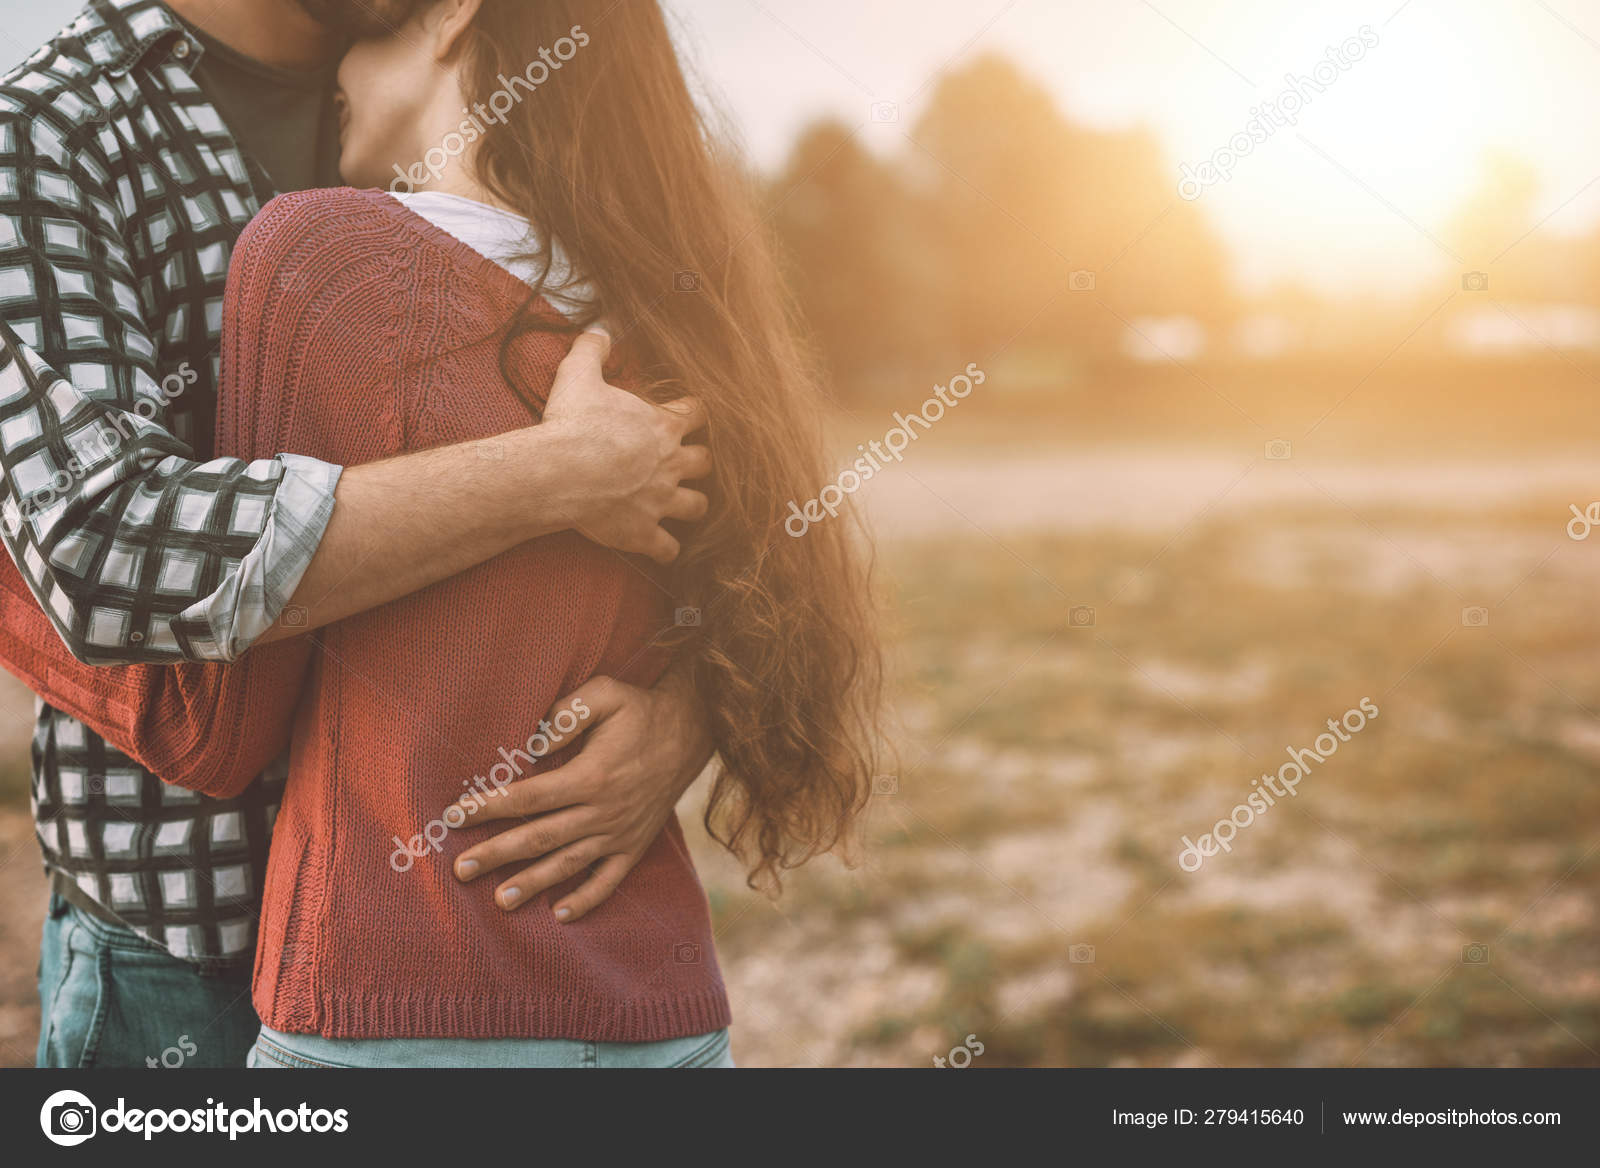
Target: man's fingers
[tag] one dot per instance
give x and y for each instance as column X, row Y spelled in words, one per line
column 588, row 353
column 652, row 543
column 688, row 504
column 525, row 841
column 532, row 796
column 603, row 881
column 662, row 548
column 591, row 703
column 688, row 411
column 547, row 873
column 594, row 701
column 694, row 462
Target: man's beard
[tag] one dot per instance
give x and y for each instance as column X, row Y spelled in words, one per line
column 360, row 18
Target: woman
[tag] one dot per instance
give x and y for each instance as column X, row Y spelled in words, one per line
column 564, row 174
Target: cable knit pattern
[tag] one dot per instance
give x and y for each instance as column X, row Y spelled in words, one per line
column 355, row 330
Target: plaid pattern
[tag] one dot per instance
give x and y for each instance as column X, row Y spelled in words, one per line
column 182, row 869
column 121, row 195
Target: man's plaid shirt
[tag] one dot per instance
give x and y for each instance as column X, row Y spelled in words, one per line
column 121, row 195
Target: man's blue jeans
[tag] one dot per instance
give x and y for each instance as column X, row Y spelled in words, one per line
column 109, row 998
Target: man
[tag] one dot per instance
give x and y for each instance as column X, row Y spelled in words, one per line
column 133, row 149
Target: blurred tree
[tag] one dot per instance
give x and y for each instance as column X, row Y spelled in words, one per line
column 1003, row 225
column 1499, row 209
column 1033, row 198
column 996, row 161
column 855, row 241
column 1491, row 230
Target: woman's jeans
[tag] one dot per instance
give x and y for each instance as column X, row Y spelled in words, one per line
column 311, row 1052
column 109, row 998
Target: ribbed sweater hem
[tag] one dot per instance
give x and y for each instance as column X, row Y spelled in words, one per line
column 402, row 1015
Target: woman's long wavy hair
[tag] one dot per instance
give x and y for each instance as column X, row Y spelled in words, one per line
column 611, row 156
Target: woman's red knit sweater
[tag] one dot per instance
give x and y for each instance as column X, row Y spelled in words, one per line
column 355, row 330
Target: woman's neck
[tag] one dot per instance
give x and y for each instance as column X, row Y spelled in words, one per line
column 458, row 179
column 275, row 32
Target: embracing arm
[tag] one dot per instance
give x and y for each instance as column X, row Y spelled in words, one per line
column 124, row 549
column 603, row 461
column 211, row 728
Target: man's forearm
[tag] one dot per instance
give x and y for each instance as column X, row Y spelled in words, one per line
column 603, row 462
column 413, row 520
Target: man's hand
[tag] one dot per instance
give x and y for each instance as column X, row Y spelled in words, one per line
column 603, row 461
column 642, row 749
column 632, row 457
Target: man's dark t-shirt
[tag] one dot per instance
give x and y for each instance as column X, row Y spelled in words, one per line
column 285, row 119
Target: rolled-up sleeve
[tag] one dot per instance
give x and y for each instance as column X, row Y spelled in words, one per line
column 254, row 595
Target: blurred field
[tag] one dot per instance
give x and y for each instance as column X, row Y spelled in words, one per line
column 1049, row 770
column 22, row 882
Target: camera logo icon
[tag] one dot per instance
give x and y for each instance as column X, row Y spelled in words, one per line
column 68, row 1118
column 1475, row 282
column 686, row 281
column 686, row 953
column 1476, row 617
column 885, row 111
column 885, row 785
column 1081, row 617
column 1081, row 955
column 1279, row 449
column 1475, row 954
column 687, row 618
column 1081, row 281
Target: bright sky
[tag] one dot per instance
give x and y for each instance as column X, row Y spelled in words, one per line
column 1354, row 197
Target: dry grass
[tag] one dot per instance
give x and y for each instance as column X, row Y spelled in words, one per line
column 1051, row 769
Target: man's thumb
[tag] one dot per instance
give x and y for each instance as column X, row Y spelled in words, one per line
column 587, row 355
column 597, row 339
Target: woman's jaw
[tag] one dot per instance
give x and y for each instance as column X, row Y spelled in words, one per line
column 400, row 102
